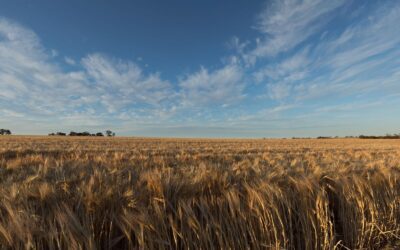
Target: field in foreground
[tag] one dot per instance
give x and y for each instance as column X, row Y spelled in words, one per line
column 100, row 193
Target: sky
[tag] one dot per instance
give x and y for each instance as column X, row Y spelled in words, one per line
column 270, row 68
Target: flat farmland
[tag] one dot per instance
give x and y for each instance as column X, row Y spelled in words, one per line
column 150, row 193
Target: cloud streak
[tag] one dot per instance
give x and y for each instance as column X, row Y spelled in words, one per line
column 358, row 60
column 288, row 23
column 220, row 87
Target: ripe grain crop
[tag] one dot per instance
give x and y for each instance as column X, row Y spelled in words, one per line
column 126, row 193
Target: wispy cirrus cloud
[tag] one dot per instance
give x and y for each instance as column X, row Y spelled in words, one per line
column 359, row 59
column 288, row 23
column 31, row 82
column 121, row 84
column 222, row 86
column 69, row 61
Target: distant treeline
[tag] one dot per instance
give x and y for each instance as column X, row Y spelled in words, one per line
column 395, row 136
column 73, row 133
column 388, row 136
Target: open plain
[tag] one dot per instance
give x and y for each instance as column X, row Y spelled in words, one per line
column 142, row 193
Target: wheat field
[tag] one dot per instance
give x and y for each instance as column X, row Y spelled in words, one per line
column 141, row 193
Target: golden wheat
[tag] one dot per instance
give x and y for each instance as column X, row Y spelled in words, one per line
column 124, row 193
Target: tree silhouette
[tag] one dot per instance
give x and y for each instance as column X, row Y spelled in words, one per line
column 110, row 133
column 5, row 131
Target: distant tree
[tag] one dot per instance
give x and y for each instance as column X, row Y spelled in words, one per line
column 52, row 134
column 5, row 131
column 110, row 133
column 85, row 133
column 61, row 134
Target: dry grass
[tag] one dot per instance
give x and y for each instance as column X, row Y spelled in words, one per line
column 99, row 193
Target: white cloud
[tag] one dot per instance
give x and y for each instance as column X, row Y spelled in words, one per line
column 34, row 86
column 287, row 23
column 69, row 61
column 365, row 61
column 223, row 86
column 361, row 59
column 122, row 83
column 29, row 80
column 237, row 45
column 279, row 78
column 279, row 91
column 286, row 72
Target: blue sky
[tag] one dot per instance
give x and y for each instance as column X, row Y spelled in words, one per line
column 201, row 68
